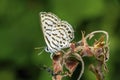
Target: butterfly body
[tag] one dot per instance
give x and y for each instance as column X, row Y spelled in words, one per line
column 57, row 33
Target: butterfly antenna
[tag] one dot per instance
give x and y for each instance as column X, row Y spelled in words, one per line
column 38, row 48
column 40, row 52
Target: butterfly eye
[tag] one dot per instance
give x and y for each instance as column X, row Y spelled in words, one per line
column 46, row 49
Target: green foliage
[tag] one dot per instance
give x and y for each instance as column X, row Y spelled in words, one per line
column 20, row 33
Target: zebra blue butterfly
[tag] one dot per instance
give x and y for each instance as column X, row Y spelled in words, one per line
column 57, row 33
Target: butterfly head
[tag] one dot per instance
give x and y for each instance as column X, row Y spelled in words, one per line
column 47, row 49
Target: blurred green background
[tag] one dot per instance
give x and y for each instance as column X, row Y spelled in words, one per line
column 20, row 33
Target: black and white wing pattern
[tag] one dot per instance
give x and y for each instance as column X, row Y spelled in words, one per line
column 57, row 33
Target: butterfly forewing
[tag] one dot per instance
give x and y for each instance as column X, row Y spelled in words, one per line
column 57, row 33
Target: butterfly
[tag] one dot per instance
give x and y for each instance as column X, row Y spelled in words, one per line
column 57, row 33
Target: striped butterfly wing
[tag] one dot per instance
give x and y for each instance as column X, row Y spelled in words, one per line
column 66, row 34
column 57, row 33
